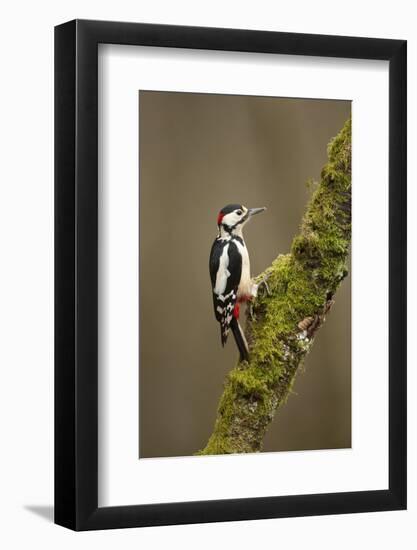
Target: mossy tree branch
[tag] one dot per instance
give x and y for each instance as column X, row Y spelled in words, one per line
column 302, row 285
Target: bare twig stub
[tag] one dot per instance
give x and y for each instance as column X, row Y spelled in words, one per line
column 285, row 322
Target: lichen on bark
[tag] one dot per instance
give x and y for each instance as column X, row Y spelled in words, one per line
column 281, row 332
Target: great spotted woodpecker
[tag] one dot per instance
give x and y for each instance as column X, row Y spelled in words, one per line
column 230, row 272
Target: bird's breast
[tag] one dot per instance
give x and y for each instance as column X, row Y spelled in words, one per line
column 245, row 286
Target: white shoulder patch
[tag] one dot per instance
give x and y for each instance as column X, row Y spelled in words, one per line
column 222, row 273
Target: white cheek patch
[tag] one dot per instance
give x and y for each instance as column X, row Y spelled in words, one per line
column 231, row 219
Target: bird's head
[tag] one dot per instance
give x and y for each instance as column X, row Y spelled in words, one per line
column 233, row 217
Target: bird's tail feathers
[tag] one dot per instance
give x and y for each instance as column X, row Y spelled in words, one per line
column 240, row 339
column 223, row 335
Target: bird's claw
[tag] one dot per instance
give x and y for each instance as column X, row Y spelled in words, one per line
column 251, row 313
column 255, row 288
column 264, row 282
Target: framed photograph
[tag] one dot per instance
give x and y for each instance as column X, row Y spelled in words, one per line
column 230, row 285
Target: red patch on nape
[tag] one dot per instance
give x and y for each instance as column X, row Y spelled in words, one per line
column 219, row 218
column 236, row 311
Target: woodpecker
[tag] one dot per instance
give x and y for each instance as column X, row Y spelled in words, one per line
column 229, row 265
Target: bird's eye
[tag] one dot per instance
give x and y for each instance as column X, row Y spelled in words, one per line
column 239, row 212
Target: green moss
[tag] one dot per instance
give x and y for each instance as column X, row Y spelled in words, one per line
column 302, row 283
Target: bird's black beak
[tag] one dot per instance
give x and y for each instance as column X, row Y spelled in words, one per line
column 253, row 211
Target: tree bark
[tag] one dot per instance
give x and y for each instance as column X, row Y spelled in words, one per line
column 302, row 286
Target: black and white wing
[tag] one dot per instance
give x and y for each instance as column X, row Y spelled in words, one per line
column 225, row 272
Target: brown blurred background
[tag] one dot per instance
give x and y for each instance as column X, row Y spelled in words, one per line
column 199, row 152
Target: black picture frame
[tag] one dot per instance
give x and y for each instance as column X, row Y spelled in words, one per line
column 76, row 272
